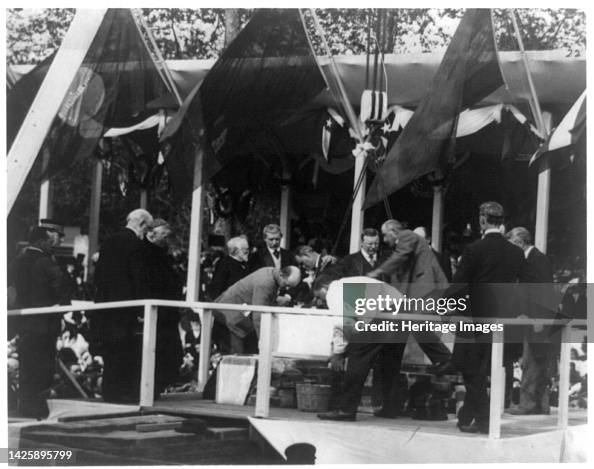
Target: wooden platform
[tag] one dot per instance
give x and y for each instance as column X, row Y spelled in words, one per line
column 512, row 426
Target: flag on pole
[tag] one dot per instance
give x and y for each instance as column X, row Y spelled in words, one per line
column 267, row 73
column 111, row 89
column 468, row 72
column 569, row 131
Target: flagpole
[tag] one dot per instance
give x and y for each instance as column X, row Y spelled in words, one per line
column 357, row 212
column 534, row 103
column 543, row 193
column 165, row 72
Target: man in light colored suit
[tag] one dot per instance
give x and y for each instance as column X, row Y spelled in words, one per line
column 259, row 288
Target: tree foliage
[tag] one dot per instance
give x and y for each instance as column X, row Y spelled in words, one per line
column 182, row 33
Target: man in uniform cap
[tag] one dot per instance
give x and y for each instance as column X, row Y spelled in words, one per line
column 37, row 281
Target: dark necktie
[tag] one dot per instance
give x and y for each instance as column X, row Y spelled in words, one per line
column 276, row 253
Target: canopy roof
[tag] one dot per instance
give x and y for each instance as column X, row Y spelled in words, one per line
column 559, row 80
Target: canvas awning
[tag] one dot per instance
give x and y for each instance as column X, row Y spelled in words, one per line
column 558, row 80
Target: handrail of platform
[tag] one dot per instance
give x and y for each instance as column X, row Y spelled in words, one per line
column 270, row 313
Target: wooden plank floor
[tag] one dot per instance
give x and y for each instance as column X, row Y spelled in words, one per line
column 512, row 426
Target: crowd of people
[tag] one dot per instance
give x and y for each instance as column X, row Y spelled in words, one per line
column 136, row 263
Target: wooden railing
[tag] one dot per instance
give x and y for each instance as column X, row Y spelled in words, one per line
column 271, row 313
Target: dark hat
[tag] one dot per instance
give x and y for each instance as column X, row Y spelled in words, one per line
column 301, row 453
column 52, row 225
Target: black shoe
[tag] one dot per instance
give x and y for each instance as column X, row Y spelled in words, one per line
column 442, row 368
column 338, row 415
column 386, row 414
column 474, row 428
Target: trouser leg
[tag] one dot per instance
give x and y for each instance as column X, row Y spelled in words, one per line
column 432, row 346
column 36, row 372
column 361, row 359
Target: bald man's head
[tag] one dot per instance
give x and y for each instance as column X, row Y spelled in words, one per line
column 140, row 221
column 289, row 276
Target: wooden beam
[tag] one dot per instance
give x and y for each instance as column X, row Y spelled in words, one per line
column 543, row 196
column 195, row 242
column 437, row 218
column 46, row 191
column 497, row 385
column 94, row 214
column 149, row 343
column 264, row 367
column 285, row 209
column 48, row 100
column 357, row 213
column 205, row 346
column 143, row 199
column 564, row 364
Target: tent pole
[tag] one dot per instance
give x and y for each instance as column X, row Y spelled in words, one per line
column 437, row 219
column 48, row 100
column 285, row 209
column 143, row 199
column 94, row 215
column 195, row 241
column 543, row 196
column 46, row 192
column 357, row 213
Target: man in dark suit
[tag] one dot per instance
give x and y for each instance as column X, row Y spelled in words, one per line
column 164, row 283
column 537, row 278
column 229, row 270
column 121, row 275
column 259, row 288
column 414, row 270
column 486, row 265
column 363, row 261
column 312, row 264
column 38, row 281
column 271, row 254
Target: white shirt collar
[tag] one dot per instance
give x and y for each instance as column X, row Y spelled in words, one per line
column 491, row 230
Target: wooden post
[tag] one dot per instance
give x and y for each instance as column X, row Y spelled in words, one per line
column 47, row 102
column 564, row 361
column 94, row 214
column 437, row 219
column 149, row 341
column 205, row 341
column 357, row 213
column 497, row 385
column 543, row 196
column 143, row 199
column 264, row 366
column 195, row 241
column 46, row 191
column 285, row 209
